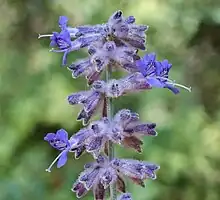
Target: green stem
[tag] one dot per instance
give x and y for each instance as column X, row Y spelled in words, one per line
column 109, row 109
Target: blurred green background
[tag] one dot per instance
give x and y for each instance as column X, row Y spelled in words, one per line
column 33, row 90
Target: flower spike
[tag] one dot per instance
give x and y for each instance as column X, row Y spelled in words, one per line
column 112, row 45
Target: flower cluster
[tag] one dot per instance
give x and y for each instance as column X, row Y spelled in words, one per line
column 93, row 99
column 124, row 129
column 99, row 175
column 110, row 46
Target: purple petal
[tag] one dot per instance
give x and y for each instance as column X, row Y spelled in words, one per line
column 149, row 58
column 88, row 29
column 137, row 43
column 155, row 82
column 63, row 21
column 89, row 177
column 159, row 68
column 85, row 41
column 124, row 115
column 122, row 31
column 99, row 86
column 151, row 166
column 78, row 97
column 95, row 144
column 172, row 88
column 139, row 28
column 62, row 160
column 115, row 18
column 62, row 135
column 128, row 167
column 142, row 129
column 64, row 59
column 92, row 101
column 134, row 117
column 130, row 20
column 49, row 137
column 135, row 168
column 79, row 138
column 141, row 67
column 125, row 196
column 166, row 64
column 79, row 67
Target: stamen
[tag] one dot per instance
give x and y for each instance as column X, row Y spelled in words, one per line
column 51, row 50
column 55, row 160
column 182, row 86
column 46, row 35
column 175, row 84
column 57, row 50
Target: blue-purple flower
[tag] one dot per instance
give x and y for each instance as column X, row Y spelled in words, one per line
column 157, row 73
column 60, row 142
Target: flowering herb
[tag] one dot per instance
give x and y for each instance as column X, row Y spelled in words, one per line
column 112, row 45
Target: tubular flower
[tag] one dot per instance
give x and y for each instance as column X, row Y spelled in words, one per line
column 157, row 72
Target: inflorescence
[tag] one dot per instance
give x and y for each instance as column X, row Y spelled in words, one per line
column 112, row 45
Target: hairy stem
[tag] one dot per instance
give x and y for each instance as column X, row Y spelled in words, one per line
column 108, row 111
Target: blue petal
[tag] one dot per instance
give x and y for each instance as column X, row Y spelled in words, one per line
column 49, row 137
column 141, row 67
column 65, row 35
column 172, row 88
column 125, row 196
column 62, row 135
column 62, row 160
column 166, row 64
column 149, row 58
column 130, row 20
column 159, row 68
column 63, row 22
column 64, row 59
column 154, row 82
